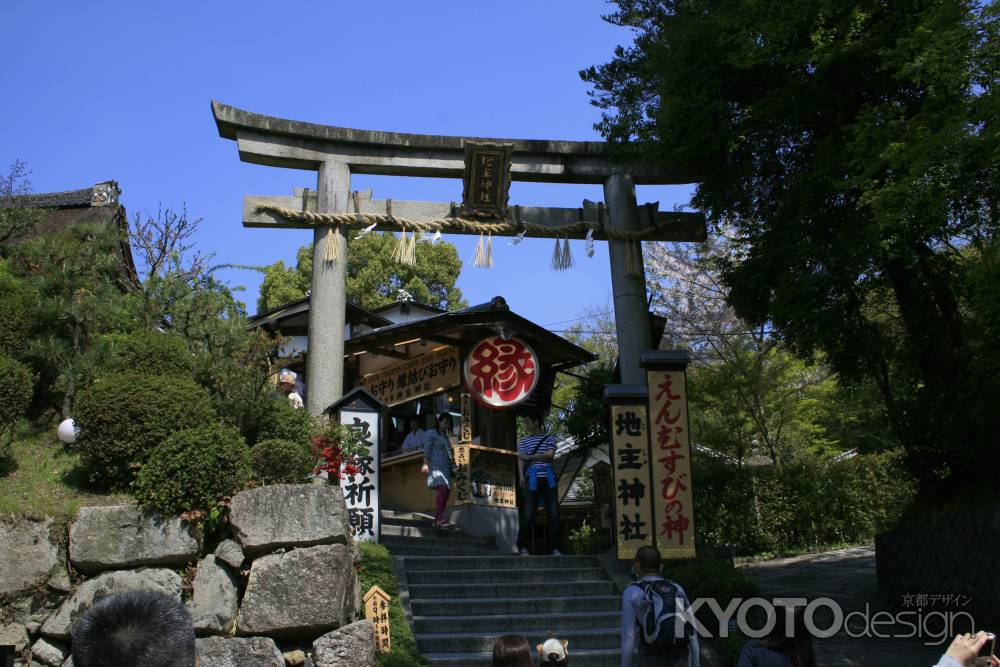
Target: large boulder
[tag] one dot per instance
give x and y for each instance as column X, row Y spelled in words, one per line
column 29, row 552
column 289, row 515
column 300, row 594
column 60, row 625
column 230, row 553
column 125, row 536
column 239, row 652
column 216, row 599
column 352, row 644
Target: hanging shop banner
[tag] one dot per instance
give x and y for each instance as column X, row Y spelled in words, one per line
column 361, row 491
column 461, row 454
column 418, row 377
column 631, row 476
column 670, row 446
column 501, row 373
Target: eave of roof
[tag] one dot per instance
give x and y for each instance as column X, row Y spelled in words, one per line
column 355, row 313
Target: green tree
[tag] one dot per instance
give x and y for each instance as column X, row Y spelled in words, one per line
column 75, row 276
column 373, row 277
column 853, row 148
column 15, row 219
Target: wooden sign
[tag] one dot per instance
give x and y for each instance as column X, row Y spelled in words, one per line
column 492, row 479
column 670, row 447
column 377, row 611
column 486, row 183
column 501, row 373
column 631, row 477
column 418, row 377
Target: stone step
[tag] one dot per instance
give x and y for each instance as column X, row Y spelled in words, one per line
column 439, row 542
column 512, row 589
column 554, row 622
column 425, row 532
column 500, row 562
column 481, row 576
column 478, row 642
column 579, row 658
column 556, row 604
column 414, row 548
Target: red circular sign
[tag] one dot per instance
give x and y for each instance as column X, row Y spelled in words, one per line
column 500, row 372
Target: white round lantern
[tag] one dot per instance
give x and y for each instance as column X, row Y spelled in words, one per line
column 67, row 431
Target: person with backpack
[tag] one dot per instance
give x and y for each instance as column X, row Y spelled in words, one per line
column 654, row 631
column 537, row 478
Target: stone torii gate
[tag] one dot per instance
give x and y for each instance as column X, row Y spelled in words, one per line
column 337, row 152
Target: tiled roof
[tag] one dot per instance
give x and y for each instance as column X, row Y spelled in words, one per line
column 102, row 194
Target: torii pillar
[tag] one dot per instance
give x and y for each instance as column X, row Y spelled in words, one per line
column 336, row 152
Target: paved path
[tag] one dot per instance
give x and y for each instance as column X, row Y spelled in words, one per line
column 848, row 577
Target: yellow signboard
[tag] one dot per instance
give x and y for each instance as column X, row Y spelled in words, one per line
column 670, row 447
column 631, row 477
column 491, row 479
column 418, row 377
column 377, row 611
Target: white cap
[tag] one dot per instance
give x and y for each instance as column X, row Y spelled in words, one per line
column 553, row 651
column 287, row 376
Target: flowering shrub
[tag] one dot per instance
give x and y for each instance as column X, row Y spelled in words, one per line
column 337, row 447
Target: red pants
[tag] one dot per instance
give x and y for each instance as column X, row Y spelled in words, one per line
column 442, row 500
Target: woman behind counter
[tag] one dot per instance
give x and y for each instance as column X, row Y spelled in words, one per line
column 438, row 464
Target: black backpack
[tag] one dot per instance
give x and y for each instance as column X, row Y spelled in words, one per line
column 659, row 615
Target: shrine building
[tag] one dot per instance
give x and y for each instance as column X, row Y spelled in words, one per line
column 407, row 360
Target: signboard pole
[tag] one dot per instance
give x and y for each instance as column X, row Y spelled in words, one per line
column 632, row 482
column 670, row 448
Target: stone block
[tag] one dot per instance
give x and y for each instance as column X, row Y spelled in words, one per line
column 230, row 553
column 300, row 594
column 29, row 553
column 125, row 536
column 352, row 644
column 215, row 600
column 50, row 653
column 238, row 652
column 289, row 515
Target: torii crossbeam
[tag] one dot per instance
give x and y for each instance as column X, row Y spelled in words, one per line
column 337, row 152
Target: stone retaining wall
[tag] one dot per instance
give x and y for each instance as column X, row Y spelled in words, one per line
column 283, row 590
column 955, row 555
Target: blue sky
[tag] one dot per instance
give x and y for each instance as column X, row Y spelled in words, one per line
column 121, row 90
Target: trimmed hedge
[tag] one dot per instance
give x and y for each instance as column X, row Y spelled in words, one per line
column 281, row 461
column 193, row 470
column 122, row 419
column 770, row 509
column 150, row 353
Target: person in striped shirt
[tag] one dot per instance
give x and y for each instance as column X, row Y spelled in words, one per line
column 537, row 478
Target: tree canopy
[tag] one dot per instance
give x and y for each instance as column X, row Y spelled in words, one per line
column 373, row 277
column 853, row 149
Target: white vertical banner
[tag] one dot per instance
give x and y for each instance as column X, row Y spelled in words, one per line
column 361, row 491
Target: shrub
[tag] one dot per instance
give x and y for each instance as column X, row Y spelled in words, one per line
column 193, row 470
column 809, row 504
column 281, row 461
column 374, row 569
column 121, row 420
column 584, row 540
column 16, row 301
column 280, row 421
column 15, row 395
column 710, row 578
column 150, row 353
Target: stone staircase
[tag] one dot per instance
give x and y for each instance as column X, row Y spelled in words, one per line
column 463, row 595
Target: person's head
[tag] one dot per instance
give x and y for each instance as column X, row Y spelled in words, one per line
column 414, row 423
column 554, row 652
column 532, row 419
column 286, row 382
column 511, row 651
column 797, row 647
column 135, row 628
column 445, row 422
column 647, row 561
